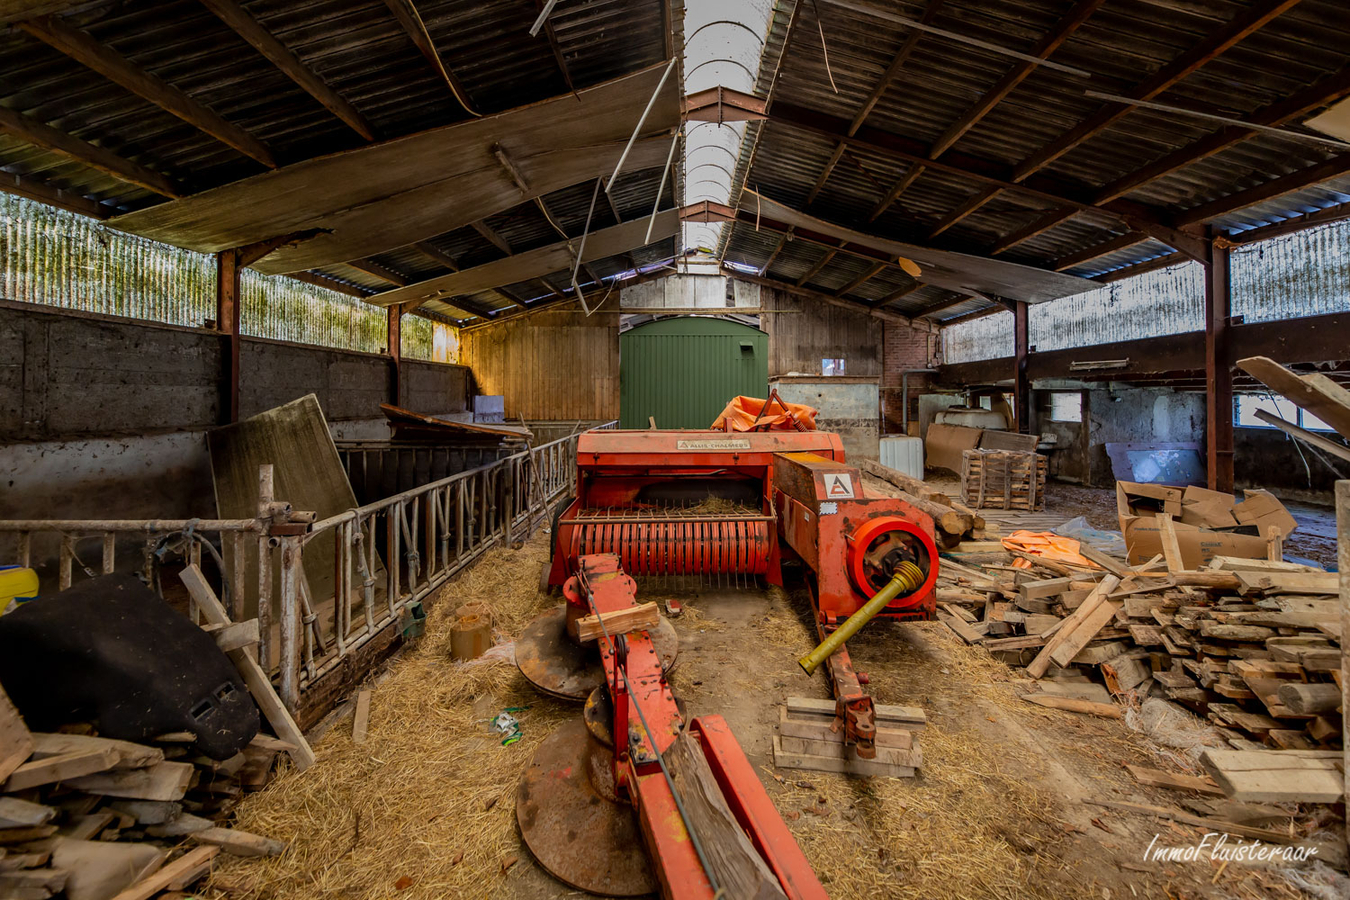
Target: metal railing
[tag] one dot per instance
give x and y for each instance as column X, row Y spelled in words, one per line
column 387, row 555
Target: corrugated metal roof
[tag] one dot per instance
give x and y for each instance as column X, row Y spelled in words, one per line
column 1121, row 44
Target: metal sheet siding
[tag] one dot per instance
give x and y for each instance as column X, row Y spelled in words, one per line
column 683, row 371
column 1302, row 274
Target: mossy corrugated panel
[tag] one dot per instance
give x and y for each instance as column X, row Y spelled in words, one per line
column 683, row 371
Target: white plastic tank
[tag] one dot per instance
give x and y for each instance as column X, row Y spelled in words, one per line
column 971, row 418
column 904, row 454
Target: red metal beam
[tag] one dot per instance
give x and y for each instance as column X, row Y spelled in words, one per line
column 228, row 316
column 395, row 349
column 1021, row 383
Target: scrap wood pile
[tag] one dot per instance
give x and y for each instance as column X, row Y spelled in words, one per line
column 952, row 519
column 1252, row 645
column 99, row 819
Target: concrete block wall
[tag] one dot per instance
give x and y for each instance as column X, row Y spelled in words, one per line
column 104, row 416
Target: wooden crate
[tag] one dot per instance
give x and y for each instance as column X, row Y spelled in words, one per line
column 1003, row 479
column 804, row 739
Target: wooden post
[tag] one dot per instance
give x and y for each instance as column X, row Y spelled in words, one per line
column 1021, row 384
column 1343, row 559
column 227, row 323
column 1218, row 369
column 395, row 354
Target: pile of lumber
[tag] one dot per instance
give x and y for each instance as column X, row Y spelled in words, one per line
column 953, row 520
column 92, row 818
column 1251, row 645
column 1003, row 479
column 806, row 738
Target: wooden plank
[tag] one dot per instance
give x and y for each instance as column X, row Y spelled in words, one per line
column 18, row 813
column 910, row 717
column 1248, row 831
column 162, row 781
column 16, row 743
column 60, row 768
column 129, row 755
column 739, row 869
column 104, row 868
column 259, row 685
column 238, row 843
column 1159, row 778
column 173, row 873
column 1073, row 704
column 1323, row 583
column 237, row 635
column 1274, row 776
column 960, row 629
column 863, row 767
column 361, row 720
column 1316, row 393
column 1083, row 633
column 643, row 617
column 837, row 749
column 821, row 730
column 382, row 196
column 1171, row 549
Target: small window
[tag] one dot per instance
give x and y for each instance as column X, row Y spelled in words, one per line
column 1245, row 407
column 832, row 367
column 1066, row 406
column 986, row 402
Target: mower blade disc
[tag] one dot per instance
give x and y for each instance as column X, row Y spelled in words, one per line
column 560, row 667
column 576, row 834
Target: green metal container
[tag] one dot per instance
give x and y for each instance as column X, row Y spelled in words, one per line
column 683, row 371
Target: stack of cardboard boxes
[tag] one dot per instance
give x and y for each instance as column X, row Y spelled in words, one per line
column 1207, row 523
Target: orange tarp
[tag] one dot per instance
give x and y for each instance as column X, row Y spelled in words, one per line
column 741, row 414
column 1046, row 545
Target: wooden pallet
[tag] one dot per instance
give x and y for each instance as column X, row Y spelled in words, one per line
column 1003, row 479
column 804, row 740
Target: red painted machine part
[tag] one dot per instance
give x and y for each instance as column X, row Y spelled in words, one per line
column 870, row 530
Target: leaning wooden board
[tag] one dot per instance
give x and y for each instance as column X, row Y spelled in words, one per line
column 1316, row 393
column 16, row 744
column 307, row 473
column 1274, row 776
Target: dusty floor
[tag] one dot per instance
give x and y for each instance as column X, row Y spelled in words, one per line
column 425, row 808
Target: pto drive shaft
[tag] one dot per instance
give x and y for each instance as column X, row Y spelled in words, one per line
column 907, row 577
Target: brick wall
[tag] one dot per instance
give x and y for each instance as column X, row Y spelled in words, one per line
column 905, row 347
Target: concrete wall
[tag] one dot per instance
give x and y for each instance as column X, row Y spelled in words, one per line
column 103, row 416
column 1268, row 458
column 848, row 406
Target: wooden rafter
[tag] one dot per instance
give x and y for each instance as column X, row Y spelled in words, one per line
column 384, row 273
column 1097, row 251
column 990, row 99
column 40, row 134
column 815, row 270
column 878, row 91
column 41, row 191
column 942, row 305
column 1287, row 184
column 860, row 280
column 492, row 236
column 332, row 284
column 556, row 47
column 782, row 242
column 1328, row 90
column 898, row 293
column 411, row 21
column 262, row 40
column 1244, row 24
column 84, row 49
column 432, row 252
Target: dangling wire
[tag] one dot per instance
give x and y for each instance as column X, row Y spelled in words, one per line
column 823, row 49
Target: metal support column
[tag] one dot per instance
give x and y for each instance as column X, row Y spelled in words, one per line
column 1218, row 368
column 1021, row 384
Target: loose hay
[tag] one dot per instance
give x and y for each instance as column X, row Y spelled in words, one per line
column 425, row 808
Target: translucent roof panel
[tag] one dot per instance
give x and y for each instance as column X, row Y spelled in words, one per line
column 723, row 44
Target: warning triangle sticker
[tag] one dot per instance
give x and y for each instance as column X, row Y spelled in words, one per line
column 839, row 486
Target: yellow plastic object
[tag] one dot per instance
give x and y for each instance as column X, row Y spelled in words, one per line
column 17, row 583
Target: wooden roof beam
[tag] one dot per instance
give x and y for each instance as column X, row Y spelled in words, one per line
column 38, row 133
column 384, row 273
column 897, row 294
column 557, row 49
column 825, row 173
column 81, row 47
column 492, row 236
column 1097, row 251
column 815, row 270
column 782, row 242
column 943, row 305
column 248, row 28
column 432, row 252
column 1037, row 226
column 1287, row 184
column 41, row 191
column 411, row 21
column 979, row 199
column 856, row 306
column 318, row 279
column 861, row 279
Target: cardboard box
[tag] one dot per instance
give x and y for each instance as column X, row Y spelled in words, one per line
column 1261, row 509
column 1198, row 545
column 1207, row 523
column 1134, row 499
column 1207, row 509
column 946, row 445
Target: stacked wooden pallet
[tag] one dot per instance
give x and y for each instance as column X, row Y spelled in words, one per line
column 92, row 818
column 1003, row 479
column 1252, row 645
column 805, row 739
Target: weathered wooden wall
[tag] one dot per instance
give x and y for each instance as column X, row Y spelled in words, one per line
column 798, row 341
column 549, row 365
